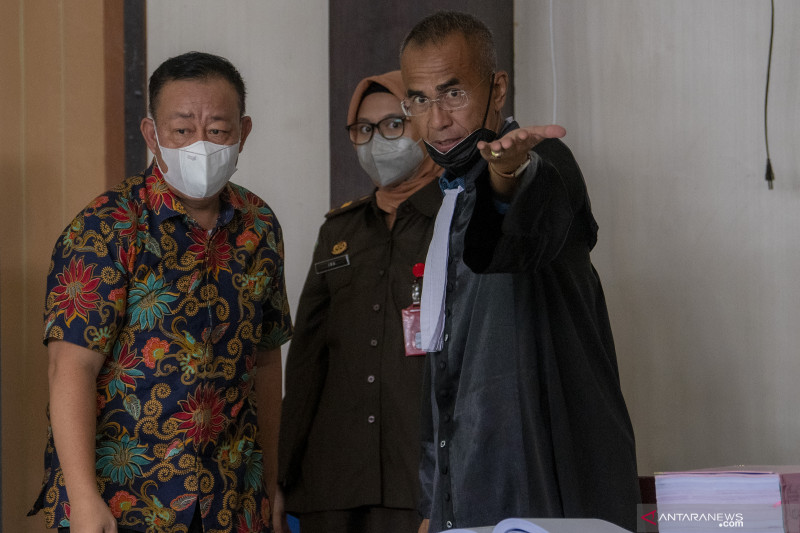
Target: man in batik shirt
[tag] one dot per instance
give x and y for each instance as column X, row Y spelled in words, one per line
column 164, row 297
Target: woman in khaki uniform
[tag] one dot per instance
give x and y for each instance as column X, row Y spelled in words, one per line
column 349, row 440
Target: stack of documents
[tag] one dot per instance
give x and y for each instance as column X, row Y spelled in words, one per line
column 743, row 498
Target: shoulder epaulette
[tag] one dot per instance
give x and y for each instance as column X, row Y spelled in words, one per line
column 347, row 206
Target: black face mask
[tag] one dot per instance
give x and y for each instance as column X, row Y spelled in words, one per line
column 461, row 157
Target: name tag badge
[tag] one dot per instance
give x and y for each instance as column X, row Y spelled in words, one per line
column 332, row 264
column 412, row 333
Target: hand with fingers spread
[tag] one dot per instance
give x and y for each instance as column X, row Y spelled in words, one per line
column 507, row 154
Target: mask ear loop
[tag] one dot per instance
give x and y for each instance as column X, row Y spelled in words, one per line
column 155, row 130
column 488, row 102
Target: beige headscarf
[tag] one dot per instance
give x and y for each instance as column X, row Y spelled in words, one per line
column 389, row 198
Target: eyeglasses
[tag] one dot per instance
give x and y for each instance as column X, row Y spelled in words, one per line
column 390, row 128
column 449, row 100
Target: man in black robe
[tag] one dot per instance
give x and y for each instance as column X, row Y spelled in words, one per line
column 522, row 410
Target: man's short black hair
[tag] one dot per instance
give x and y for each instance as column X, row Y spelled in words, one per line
column 435, row 28
column 194, row 66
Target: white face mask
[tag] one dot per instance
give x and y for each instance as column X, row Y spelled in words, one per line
column 388, row 162
column 201, row 169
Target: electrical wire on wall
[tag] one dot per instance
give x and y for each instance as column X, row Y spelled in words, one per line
column 553, row 64
column 769, row 176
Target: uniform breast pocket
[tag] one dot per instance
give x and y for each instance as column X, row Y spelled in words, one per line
column 339, row 279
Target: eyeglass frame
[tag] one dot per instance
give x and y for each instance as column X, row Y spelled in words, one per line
column 406, row 106
column 376, row 127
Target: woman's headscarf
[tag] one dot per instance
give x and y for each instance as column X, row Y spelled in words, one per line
column 388, row 198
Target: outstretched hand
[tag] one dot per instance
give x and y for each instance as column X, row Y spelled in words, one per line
column 507, row 153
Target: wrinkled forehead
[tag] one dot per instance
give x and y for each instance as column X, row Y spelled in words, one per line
column 211, row 94
column 430, row 68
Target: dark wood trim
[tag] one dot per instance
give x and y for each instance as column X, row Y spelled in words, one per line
column 1, row 437
column 113, row 58
column 135, row 94
column 647, row 488
column 125, row 64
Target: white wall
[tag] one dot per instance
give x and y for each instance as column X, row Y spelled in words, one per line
column 281, row 49
column 663, row 105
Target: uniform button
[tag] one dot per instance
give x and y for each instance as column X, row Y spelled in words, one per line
column 381, row 272
column 447, row 417
column 373, row 342
column 371, row 419
column 442, row 365
column 446, row 337
column 447, row 496
column 447, row 312
column 444, row 470
column 370, row 379
column 449, row 524
column 442, row 444
column 376, row 307
column 450, row 287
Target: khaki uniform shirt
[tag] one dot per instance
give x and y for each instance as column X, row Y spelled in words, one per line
column 350, row 424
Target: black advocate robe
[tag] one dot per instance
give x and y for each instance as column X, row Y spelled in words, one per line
column 524, row 415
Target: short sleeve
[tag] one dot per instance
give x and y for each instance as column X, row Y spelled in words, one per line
column 277, row 321
column 87, row 284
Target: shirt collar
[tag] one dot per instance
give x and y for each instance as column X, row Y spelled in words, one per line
column 165, row 204
column 446, row 184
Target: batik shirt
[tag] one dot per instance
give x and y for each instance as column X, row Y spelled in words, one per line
column 179, row 312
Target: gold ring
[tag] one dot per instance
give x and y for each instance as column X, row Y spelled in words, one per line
column 496, row 155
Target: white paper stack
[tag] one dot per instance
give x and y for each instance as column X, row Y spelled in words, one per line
column 745, row 499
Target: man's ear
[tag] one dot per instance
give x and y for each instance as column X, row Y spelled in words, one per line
column 148, row 129
column 500, row 90
column 247, row 127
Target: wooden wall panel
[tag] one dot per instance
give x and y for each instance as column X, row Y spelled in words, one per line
column 61, row 87
column 83, row 90
column 39, row 192
column 114, row 91
column 10, row 214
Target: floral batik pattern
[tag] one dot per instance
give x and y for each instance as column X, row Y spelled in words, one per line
column 179, row 313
